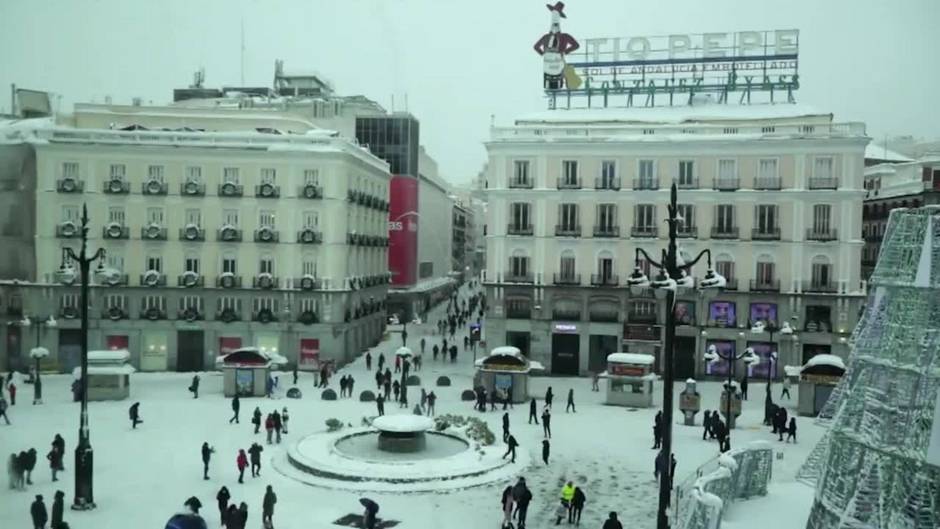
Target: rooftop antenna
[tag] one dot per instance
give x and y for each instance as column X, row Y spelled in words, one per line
column 243, row 52
column 393, row 103
column 406, row 102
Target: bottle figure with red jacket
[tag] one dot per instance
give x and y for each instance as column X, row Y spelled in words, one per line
column 553, row 46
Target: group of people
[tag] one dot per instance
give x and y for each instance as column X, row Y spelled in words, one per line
column 715, row 428
column 236, row 517
column 20, row 472
column 40, row 516
column 275, row 423
column 346, row 383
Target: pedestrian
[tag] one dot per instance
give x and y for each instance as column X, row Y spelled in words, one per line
column 481, row 399
column 507, row 503
column 29, row 465
column 466, row 343
column 256, row 419
column 567, row 494
column 546, row 449
column 242, row 462
column 658, row 430
column 350, row 381
column 207, row 452
column 405, row 368
column 278, row 425
column 193, row 388
column 781, row 422
column 267, row 507
column 242, row 518
column 58, row 509
column 222, row 500
column 381, row 361
column 134, row 413
column 255, row 451
column 12, row 389
column 511, row 443
column 12, row 472
column 522, row 495
column 786, row 388
column 577, row 505
column 368, row 361
column 422, row 345
column 38, row 512
column 324, row 376
column 404, row 397
column 236, row 406
column 19, row 469
column 505, row 427
column 388, row 375
column 404, row 338
column 561, row 511
column 269, row 427
column 387, row 389
column 453, row 354
column 493, row 399
column 595, row 381
column 55, row 461
column 342, row 386
column 284, row 419
column 368, row 517
column 547, row 422
column 612, row 522
column 380, row 404
column 548, row 397
column 706, row 424
column 432, row 398
column 791, row 430
column 570, row 405
column 396, row 388
column 269, row 387
column 295, row 373
column 533, row 416
column 744, row 387
column 434, row 351
column 3, row 409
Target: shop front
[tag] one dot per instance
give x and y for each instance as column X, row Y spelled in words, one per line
column 566, row 349
column 153, row 355
column 630, row 380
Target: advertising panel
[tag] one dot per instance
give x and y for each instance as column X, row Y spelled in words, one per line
column 765, row 312
column 116, row 341
column 227, row 344
column 762, row 350
column 403, row 230
column 721, row 366
column 685, row 313
column 309, row 353
column 722, row 314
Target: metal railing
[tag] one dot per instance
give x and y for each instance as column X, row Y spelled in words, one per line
column 568, row 183
column 725, row 232
column 813, row 234
column 820, row 287
column 765, row 234
column 562, row 230
column 726, row 184
column 520, row 183
column 605, row 280
column 566, row 279
column 641, row 184
column 829, row 182
column 644, row 231
column 512, row 277
column 768, row 183
column 684, row 231
column 541, row 132
column 688, row 183
column 606, row 231
column 760, row 285
column 519, row 229
column 612, row 184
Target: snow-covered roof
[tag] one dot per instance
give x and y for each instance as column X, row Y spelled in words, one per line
column 825, row 360
column 125, row 369
column 253, row 356
column 113, row 356
column 38, row 352
column 673, row 115
column 873, row 151
column 403, row 423
column 631, row 358
column 403, row 351
column 507, row 350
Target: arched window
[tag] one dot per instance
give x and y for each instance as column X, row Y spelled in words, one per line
column 605, row 275
column 567, row 266
column 821, row 275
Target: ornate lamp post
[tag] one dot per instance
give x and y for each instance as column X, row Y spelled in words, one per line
column 714, row 355
column 84, row 456
column 673, row 275
column 38, row 353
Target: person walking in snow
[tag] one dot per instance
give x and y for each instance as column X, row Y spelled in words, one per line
column 236, row 406
column 494, row 397
column 134, row 413
column 58, row 510
column 434, row 351
column 791, row 430
column 278, row 426
column 706, row 424
column 658, row 430
column 505, row 427
column 522, row 496
column 267, row 507
column 507, row 502
column 405, row 368
column 422, row 345
column 595, row 381
column 368, row 361
column 548, row 397
column 567, row 494
column 511, row 444
column 29, row 464
column 3, row 409
column 404, row 338
column 403, row 399
column 577, row 505
column 546, row 449
column 432, row 398
column 350, row 382
column 744, row 387
column 194, row 387
column 255, row 452
column 241, row 462
column 38, row 513
column 396, row 389
column 222, row 501
column 207, row 452
column 12, row 472
column 381, row 363
column 547, row 422
column 533, row 415
column 284, row 419
column 781, row 422
column 11, row 387
column 380, row 404
column 342, row 386
column 269, row 427
column 786, row 388
column 55, row 461
column 256, row 419
column 612, row 522
column 570, row 405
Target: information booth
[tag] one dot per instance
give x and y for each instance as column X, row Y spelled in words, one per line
column 109, row 374
column 506, row 371
column 818, row 377
column 630, row 379
column 245, row 371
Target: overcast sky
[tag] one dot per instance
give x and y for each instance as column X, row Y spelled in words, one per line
column 458, row 62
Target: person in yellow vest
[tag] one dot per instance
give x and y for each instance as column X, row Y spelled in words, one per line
column 567, row 494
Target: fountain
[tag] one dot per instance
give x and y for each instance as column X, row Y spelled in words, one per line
column 402, row 433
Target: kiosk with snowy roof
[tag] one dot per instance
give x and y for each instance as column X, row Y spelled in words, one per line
column 245, row 371
column 630, row 379
column 109, row 374
column 818, row 377
column 506, row 371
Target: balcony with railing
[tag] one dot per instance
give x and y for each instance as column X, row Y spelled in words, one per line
column 765, row 285
column 228, row 281
column 116, row 231
column 153, row 279
column 116, row 186
column 153, row 232
column 725, row 232
column 192, row 233
column 612, row 184
column 645, row 184
column 190, row 280
column 605, row 280
column 70, row 185
column 267, row 235
column 726, row 184
column 765, row 234
column 606, row 231
column 66, row 230
column 817, row 182
column 644, row 232
column 821, row 287
column 821, row 234
column 567, row 230
column 521, row 183
column 768, row 183
column 264, row 281
column 686, row 232
column 194, row 189
column 231, row 189
column 154, row 187
column 519, row 229
column 229, row 234
column 686, row 183
column 731, row 283
column 518, row 277
column 566, row 279
column 568, row 183
column 309, row 236
column 267, row 191
column 640, row 332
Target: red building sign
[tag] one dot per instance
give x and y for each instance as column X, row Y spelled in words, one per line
column 403, row 230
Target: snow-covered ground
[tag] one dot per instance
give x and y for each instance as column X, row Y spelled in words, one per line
column 142, row 476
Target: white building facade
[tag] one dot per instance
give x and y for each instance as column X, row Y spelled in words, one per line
column 775, row 193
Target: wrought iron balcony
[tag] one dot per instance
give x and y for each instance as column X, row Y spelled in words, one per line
column 765, row 234
column 726, row 184
column 231, row 189
column 152, row 279
column 813, row 234
column 687, row 183
column 521, row 183
column 229, row 234
column 267, row 191
column 513, row 277
column 686, row 232
column 768, row 183
column 70, row 185
column 115, row 231
column 66, row 230
column 724, row 232
column 612, row 184
column 569, row 183
column 760, row 285
column 193, row 189
column 731, row 283
column 116, row 186
column 190, row 280
column 606, row 231
column 648, row 232
column 645, row 183
column 310, row 191
column 309, row 236
column 265, row 281
column 228, row 281
column 567, row 279
column 153, row 232
column 605, row 280
column 192, row 233
column 823, row 183
column 519, row 229
column 562, row 230
column 153, row 187
column 828, row 287
column 308, row 283
column 267, row 235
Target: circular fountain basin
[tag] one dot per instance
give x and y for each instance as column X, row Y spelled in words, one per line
column 402, row 433
column 364, row 446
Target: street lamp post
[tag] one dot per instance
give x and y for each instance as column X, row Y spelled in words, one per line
column 714, row 355
column 38, row 353
column 84, row 456
column 674, row 273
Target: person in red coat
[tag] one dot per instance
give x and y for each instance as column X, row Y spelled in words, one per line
column 242, row 463
column 553, row 46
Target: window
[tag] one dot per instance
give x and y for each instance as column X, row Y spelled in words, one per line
column 155, row 173
column 155, row 216
column 115, row 260
column 268, row 176
column 822, row 167
column 192, row 264
column 115, row 300
column 821, row 213
column 727, row 169
column 518, row 266
column 608, row 174
column 70, row 170
column 822, row 274
column 228, row 265
column 725, row 268
column 266, row 219
column 765, row 273
column 266, row 265
column 520, row 215
column 155, row 263
column 570, row 172
column 686, row 173
column 311, row 177
column 70, row 214
column 568, row 217
column 69, row 301
column 642, row 307
column 230, row 303
column 309, row 267
column 767, row 170
column 154, row 303
column 646, row 171
column 116, row 214
column 230, row 217
column 566, row 267
column 606, row 216
column 766, row 219
column 605, row 268
column 520, row 172
column 645, row 216
column 310, row 219
column 191, row 303
column 687, row 212
column 230, row 175
column 269, row 304
column 724, row 218
column 118, row 171
column 194, row 217
column 194, row 174
column 309, row 305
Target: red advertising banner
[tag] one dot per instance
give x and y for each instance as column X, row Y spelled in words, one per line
column 116, row 341
column 229, row 344
column 403, row 230
column 310, row 353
